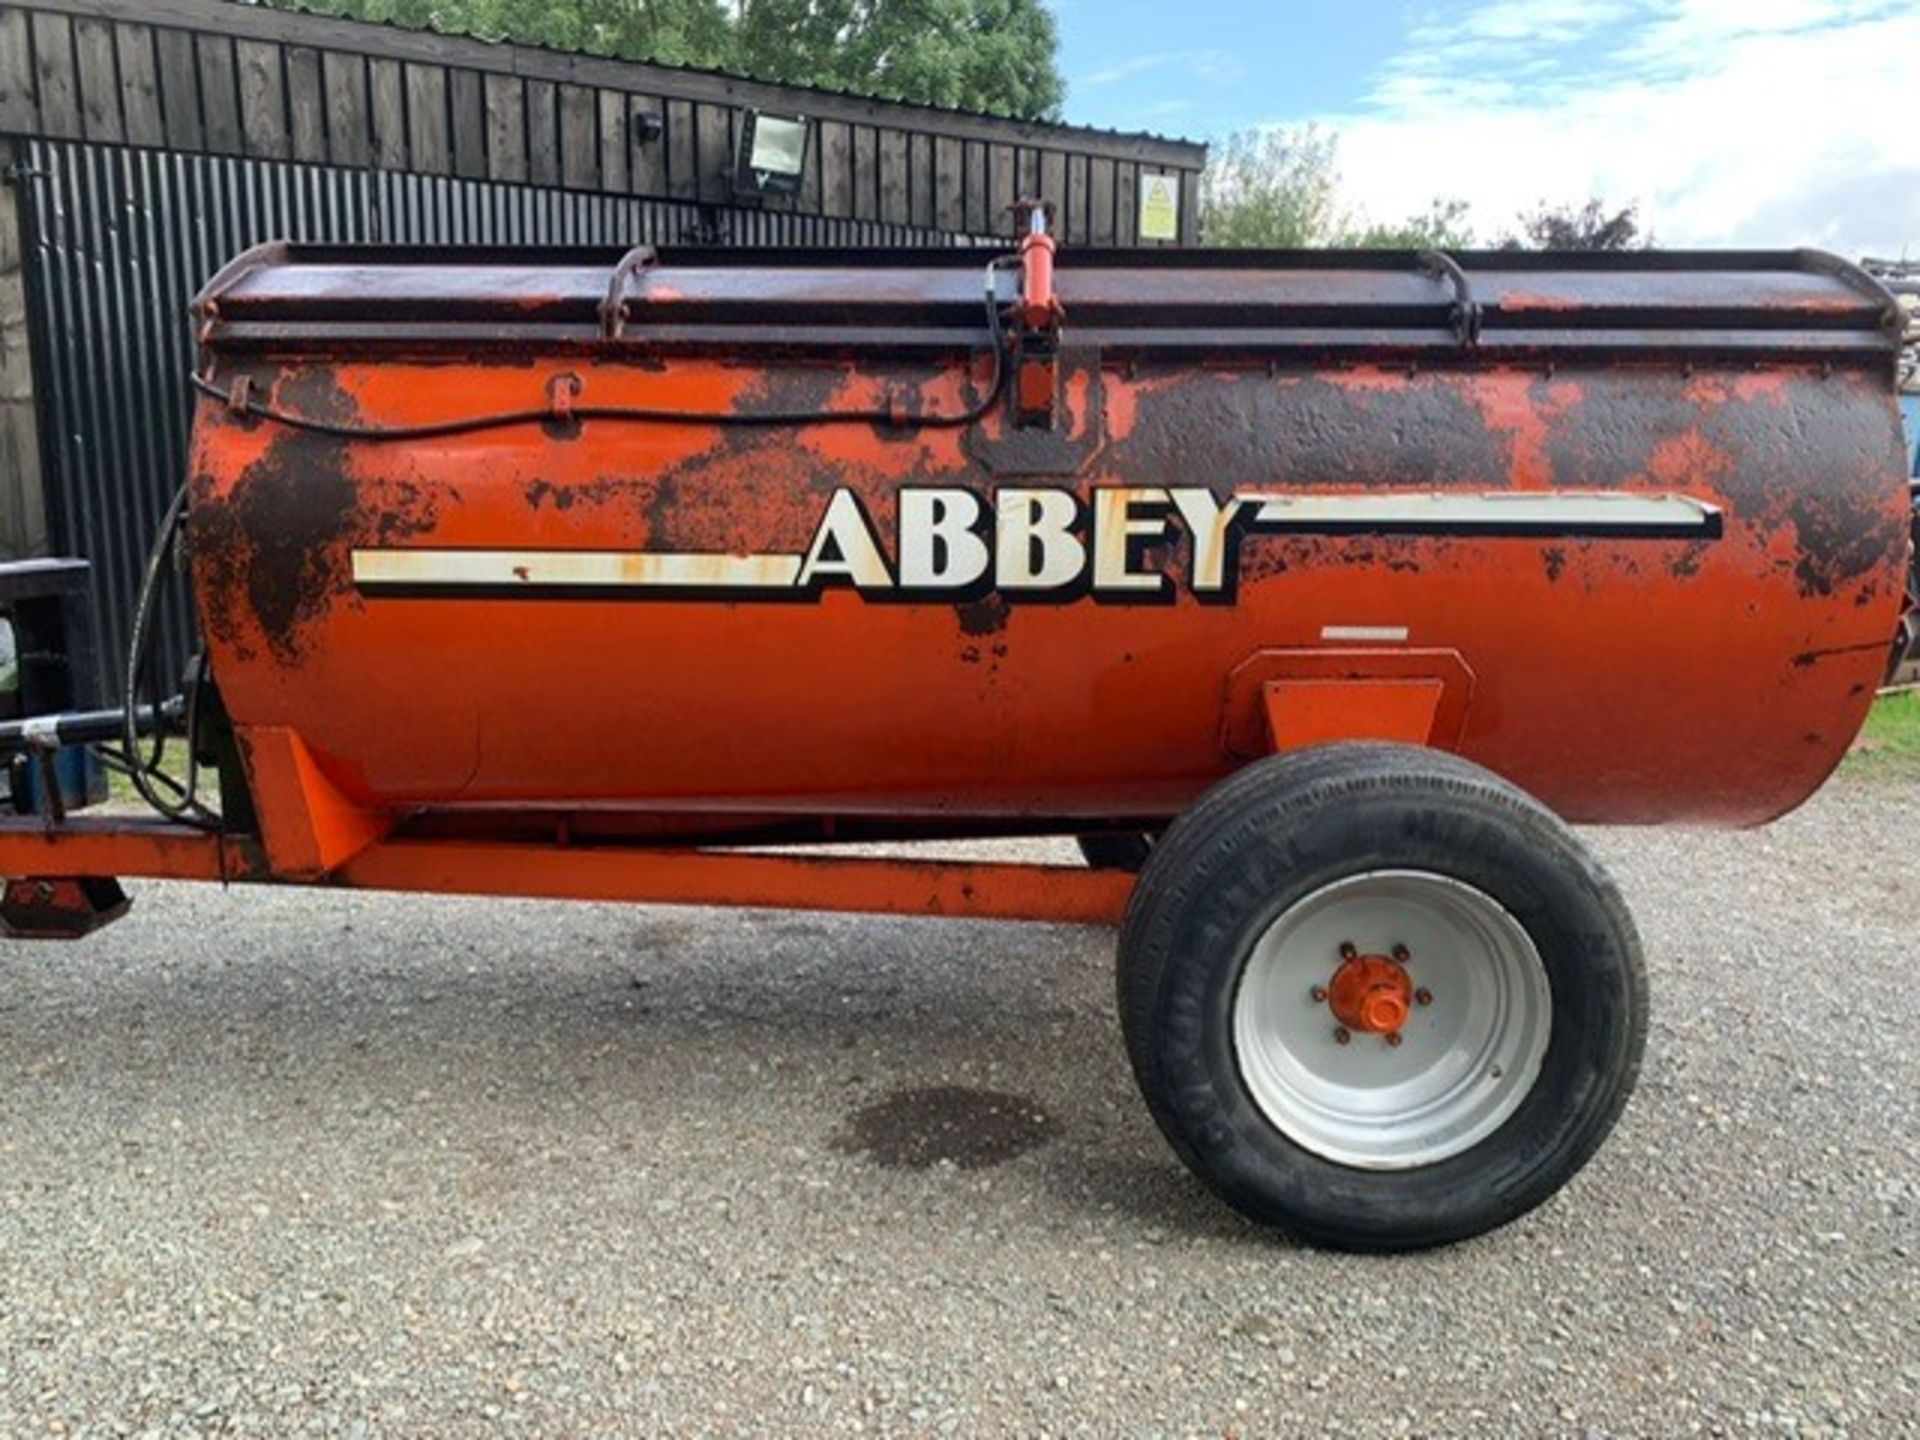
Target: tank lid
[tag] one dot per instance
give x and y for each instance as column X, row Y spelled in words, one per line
column 351, row 299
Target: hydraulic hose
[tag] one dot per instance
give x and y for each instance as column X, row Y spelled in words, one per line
column 144, row 770
column 241, row 402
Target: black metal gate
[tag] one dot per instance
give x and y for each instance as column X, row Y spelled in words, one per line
column 118, row 240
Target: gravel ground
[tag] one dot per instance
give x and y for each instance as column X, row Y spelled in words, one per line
column 278, row 1163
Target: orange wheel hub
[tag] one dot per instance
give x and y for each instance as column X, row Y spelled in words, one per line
column 1371, row 993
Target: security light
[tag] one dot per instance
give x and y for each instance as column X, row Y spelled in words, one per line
column 772, row 155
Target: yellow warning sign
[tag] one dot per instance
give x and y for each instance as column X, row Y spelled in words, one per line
column 1159, row 207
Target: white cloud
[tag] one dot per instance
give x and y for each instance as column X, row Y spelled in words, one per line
column 1730, row 122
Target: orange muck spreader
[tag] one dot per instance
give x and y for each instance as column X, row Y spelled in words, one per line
column 1314, row 593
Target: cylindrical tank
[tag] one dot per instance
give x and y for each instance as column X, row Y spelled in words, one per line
column 775, row 534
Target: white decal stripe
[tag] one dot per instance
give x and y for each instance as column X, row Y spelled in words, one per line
column 1371, row 634
column 584, row 569
column 1568, row 509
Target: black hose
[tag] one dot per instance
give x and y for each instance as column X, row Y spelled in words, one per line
column 243, row 404
column 145, row 771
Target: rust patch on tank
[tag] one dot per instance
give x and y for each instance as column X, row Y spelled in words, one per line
column 1347, row 431
column 275, row 547
column 1686, row 562
column 1835, row 546
column 985, row 616
column 1525, row 414
column 1678, row 432
column 795, row 389
column 315, row 394
column 544, row 492
column 759, row 489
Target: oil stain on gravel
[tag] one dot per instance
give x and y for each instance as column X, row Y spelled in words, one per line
column 971, row 1129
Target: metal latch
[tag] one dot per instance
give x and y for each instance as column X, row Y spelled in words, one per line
column 1466, row 314
column 613, row 309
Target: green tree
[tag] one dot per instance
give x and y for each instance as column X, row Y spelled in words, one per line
column 1271, row 188
column 1593, row 226
column 1280, row 188
column 1441, row 226
column 679, row 32
column 994, row 55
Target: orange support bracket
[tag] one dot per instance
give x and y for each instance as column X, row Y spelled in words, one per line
column 1287, row 699
column 309, row 828
column 1314, row 712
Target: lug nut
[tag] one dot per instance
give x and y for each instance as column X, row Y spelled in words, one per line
column 1348, row 950
column 1340, row 1036
column 1402, row 954
column 1393, row 1037
column 1319, row 993
column 1423, row 996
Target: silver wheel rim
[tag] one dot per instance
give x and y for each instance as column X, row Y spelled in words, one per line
column 1466, row 1058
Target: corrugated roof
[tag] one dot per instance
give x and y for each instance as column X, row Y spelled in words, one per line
column 717, row 74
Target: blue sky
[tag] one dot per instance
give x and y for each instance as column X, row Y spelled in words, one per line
column 1730, row 122
column 1231, row 64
